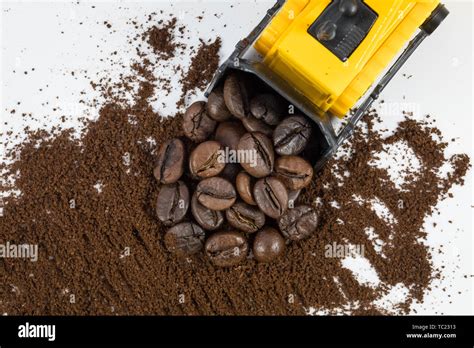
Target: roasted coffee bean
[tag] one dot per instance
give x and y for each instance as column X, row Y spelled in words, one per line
column 294, row 171
column 172, row 203
column 252, row 124
column 231, row 171
column 170, row 163
column 298, row 223
column 208, row 219
column 291, row 135
column 197, row 124
column 258, row 150
column 244, row 184
column 267, row 107
column 245, row 217
column 216, row 193
column 207, row 160
column 185, row 239
column 271, row 196
column 216, row 108
column 226, row 249
column 268, row 245
column 236, row 95
column 229, row 134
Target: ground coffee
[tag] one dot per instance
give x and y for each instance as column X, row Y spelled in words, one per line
column 202, row 68
column 161, row 38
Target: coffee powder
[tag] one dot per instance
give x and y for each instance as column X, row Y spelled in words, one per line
column 161, row 39
column 203, row 65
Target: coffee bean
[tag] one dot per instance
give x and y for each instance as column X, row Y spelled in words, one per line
column 245, row 217
column 206, row 160
column 271, row 196
column 229, row 134
column 291, row 135
column 268, row 108
column 208, row 219
column 216, row 193
column 185, row 239
column 252, row 124
column 298, row 223
column 172, row 203
column 226, row 249
column 244, row 184
column 170, row 163
column 268, row 245
column 197, row 125
column 216, row 108
column 231, row 171
column 294, row 171
column 236, row 95
column 258, row 149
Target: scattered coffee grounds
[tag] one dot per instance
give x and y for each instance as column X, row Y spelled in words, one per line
column 203, row 65
column 89, row 203
column 161, row 39
column 357, row 187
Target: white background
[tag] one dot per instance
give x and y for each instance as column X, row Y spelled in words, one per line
column 441, row 86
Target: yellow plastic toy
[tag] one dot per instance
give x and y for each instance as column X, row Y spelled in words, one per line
column 324, row 55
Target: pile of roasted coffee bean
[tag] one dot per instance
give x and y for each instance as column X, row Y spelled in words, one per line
column 245, row 168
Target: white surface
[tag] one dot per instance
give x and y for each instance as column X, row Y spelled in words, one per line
column 441, row 86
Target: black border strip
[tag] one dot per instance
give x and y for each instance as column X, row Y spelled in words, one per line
column 243, row 330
